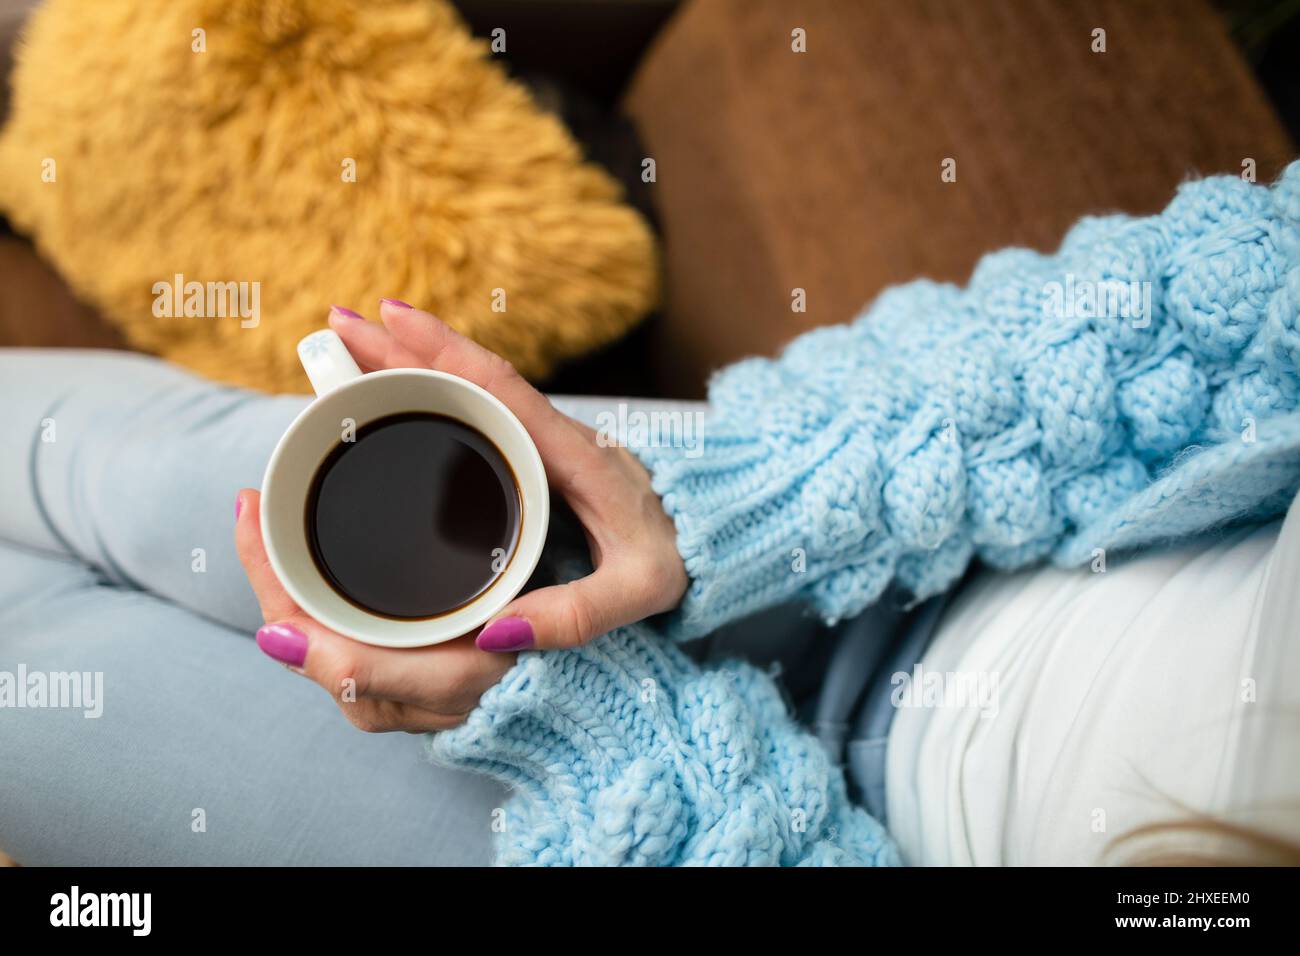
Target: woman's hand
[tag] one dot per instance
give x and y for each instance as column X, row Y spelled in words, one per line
column 377, row 688
column 637, row 573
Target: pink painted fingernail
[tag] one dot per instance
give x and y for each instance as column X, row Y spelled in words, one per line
column 347, row 313
column 283, row 642
column 239, row 505
column 399, row 303
column 507, row 634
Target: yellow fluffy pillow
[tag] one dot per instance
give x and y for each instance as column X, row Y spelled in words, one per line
column 266, row 158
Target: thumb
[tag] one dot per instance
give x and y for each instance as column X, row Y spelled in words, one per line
column 565, row 615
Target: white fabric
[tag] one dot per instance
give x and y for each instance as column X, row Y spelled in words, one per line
column 1164, row 688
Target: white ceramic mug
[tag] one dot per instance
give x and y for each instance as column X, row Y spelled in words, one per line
column 346, row 401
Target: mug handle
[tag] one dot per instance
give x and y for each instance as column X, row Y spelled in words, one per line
column 327, row 361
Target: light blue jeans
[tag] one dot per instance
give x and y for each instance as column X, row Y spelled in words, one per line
column 118, row 476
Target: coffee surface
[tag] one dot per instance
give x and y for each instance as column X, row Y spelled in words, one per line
column 415, row 517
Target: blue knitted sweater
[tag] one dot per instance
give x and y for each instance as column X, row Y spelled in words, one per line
column 1139, row 385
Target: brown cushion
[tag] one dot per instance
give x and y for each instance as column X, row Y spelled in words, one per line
column 12, row 15
column 30, row 287
column 38, row 309
column 821, row 170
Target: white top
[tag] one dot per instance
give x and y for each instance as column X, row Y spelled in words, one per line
column 1081, row 705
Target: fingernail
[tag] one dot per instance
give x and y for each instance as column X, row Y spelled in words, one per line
column 399, row 303
column 283, row 642
column 507, row 634
column 347, row 313
column 239, row 505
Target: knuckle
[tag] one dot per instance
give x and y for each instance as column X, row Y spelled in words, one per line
column 497, row 372
column 582, row 620
column 343, row 673
column 500, row 366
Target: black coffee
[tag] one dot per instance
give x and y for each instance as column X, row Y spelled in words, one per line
column 415, row 517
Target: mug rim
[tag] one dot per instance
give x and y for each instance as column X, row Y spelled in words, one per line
column 423, row 631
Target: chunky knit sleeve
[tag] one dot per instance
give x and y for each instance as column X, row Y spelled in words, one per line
column 993, row 421
column 625, row 752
